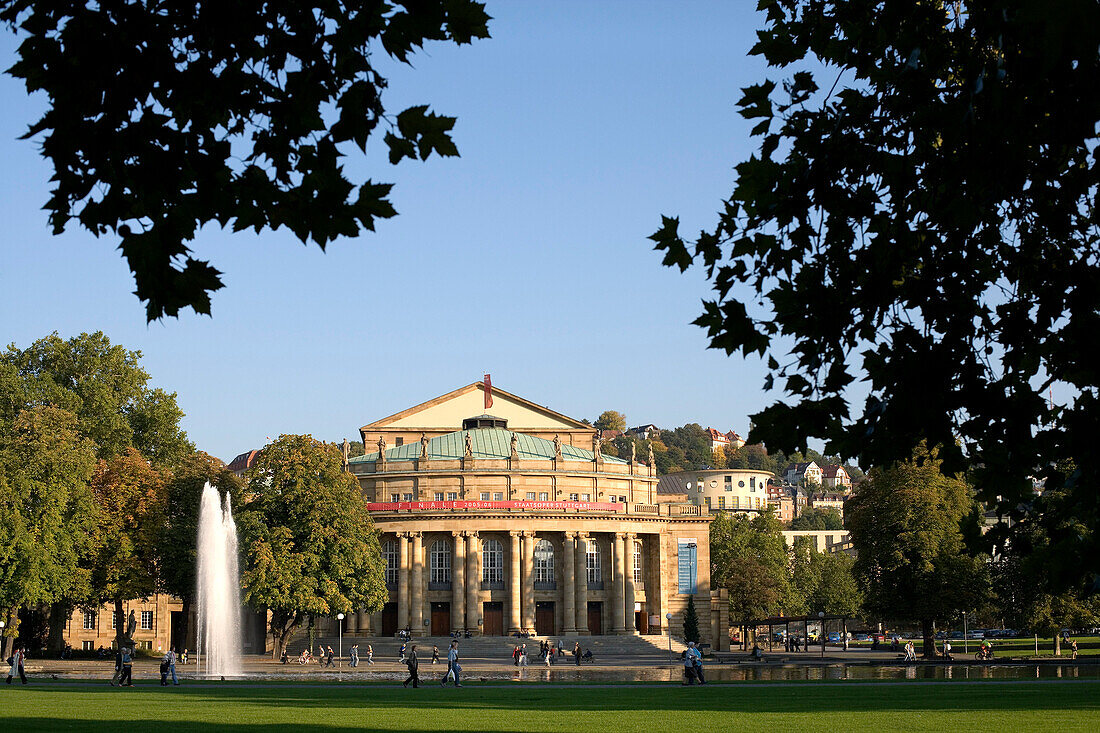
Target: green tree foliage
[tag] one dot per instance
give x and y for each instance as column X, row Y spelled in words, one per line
column 691, row 621
column 104, row 386
column 688, row 449
column 129, row 492
column 611, row 420
column 1027, row 597
column 309, row 545
column 177, row 531
column 234, row 113
column 821, row 582
column 749, row 559
column 905, row 523
column 817, row 519
column 861, row 260
column 47, row 513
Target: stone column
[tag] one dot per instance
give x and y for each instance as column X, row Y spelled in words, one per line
column 618, row 624
column 580, row 576
column 351, row 621
column 364, row 624
column 403, row 580
column 416, row 590
column 569, row 583
column 473, row 583
column 628, row 580
column 657, row 598
column 515, row 621
column 458, row 582
column 529, row 580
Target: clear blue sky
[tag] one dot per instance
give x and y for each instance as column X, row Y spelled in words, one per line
column 579, row 124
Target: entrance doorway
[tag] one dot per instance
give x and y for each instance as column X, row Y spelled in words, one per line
column 178, row 631
column 493, row 615
column 441, row 619
column 641, row 618
column 544, row 618
column 389, row 619
column 595, row 617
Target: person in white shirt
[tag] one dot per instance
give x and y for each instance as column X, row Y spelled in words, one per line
column 453, row 667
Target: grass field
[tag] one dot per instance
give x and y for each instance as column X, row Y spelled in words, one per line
column 1032, row 706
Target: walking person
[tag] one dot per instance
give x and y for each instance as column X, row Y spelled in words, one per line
column 170, row 660
column 453, row 667
column 414, row 669
column 689, row 668
column 548, row 658
column 127, row 679
column 523, row 654
column 515, row 656
column 577, row 653
column 354, row 656
column 118, row 667
column 370, row 654
column 329, row 654
column 404, row 646
column 17, row 662
column 435, row 654
column 1073, row 648
column 696, row 662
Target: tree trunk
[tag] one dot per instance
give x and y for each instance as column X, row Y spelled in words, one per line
column 929, row 639
column 59, row 616
column 1057, row 645
column 120, row 624
column 11, row 628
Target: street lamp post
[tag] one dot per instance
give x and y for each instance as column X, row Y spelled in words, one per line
column 340, row 634
column 966, row 650
column 4, row 642
column 821, row 630
column 668, row 619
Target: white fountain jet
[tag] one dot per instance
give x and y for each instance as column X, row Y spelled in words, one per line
column 218, row 588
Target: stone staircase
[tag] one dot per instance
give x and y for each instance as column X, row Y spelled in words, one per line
column 498, row 647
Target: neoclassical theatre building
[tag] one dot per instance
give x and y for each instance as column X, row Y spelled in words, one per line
column 499, row 515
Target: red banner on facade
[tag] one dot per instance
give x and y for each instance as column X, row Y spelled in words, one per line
column 488, row 392
column 405, row 506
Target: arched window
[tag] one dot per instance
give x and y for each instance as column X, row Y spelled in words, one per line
column 544, row 562
column 389, row 556
column 492, row 561
column 592, row 562
column 440, row 562
column 637, row 561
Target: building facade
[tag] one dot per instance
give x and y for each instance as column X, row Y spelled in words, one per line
column 726, row 489
column 499, row 515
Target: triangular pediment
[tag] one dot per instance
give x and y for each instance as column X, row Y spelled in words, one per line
column 447, row 412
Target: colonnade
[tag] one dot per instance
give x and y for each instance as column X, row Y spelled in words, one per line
column 571, row 585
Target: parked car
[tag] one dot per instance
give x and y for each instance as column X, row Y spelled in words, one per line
column 834, row 637
column 955, row 635
column 861, row 637
column 975, row 634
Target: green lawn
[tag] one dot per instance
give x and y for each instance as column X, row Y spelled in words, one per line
column 1032, row 706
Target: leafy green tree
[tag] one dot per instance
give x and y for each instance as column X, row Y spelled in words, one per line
column 235, row 113
column 177, row 532
column 749, row 558
column 689, row 447
column 611, row 420
column 309, row 545
column 104, row 386
column 47, row 514
column 837, row 592
column 858, row 259
column 817, row 519
column 691, row 621
column 912, row 564
column 130, row 495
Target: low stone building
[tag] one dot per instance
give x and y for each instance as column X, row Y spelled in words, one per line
column 725, row 489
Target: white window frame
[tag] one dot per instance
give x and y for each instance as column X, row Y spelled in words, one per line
column 498, row 496
column 439, row 562
column 592, row 565
column 531, row 495
column 637, row 561
column 544, row 561
column 146, row 622
column 89, row 620
column 544, row 496
column 452, row 496
column 492, row 561
column 485, row 496
column 439, row 496
column 390, row 556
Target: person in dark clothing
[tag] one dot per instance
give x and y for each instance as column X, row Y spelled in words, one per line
column 577, row 653
column 414, row 669
column 16, row 660
column 118, row 668
column 329, row 654
column 127, row 679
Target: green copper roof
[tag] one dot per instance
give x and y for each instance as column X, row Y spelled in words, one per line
column 486, row 443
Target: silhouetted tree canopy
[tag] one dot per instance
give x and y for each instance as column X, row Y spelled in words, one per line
column 164, row 117
column 921, row 212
